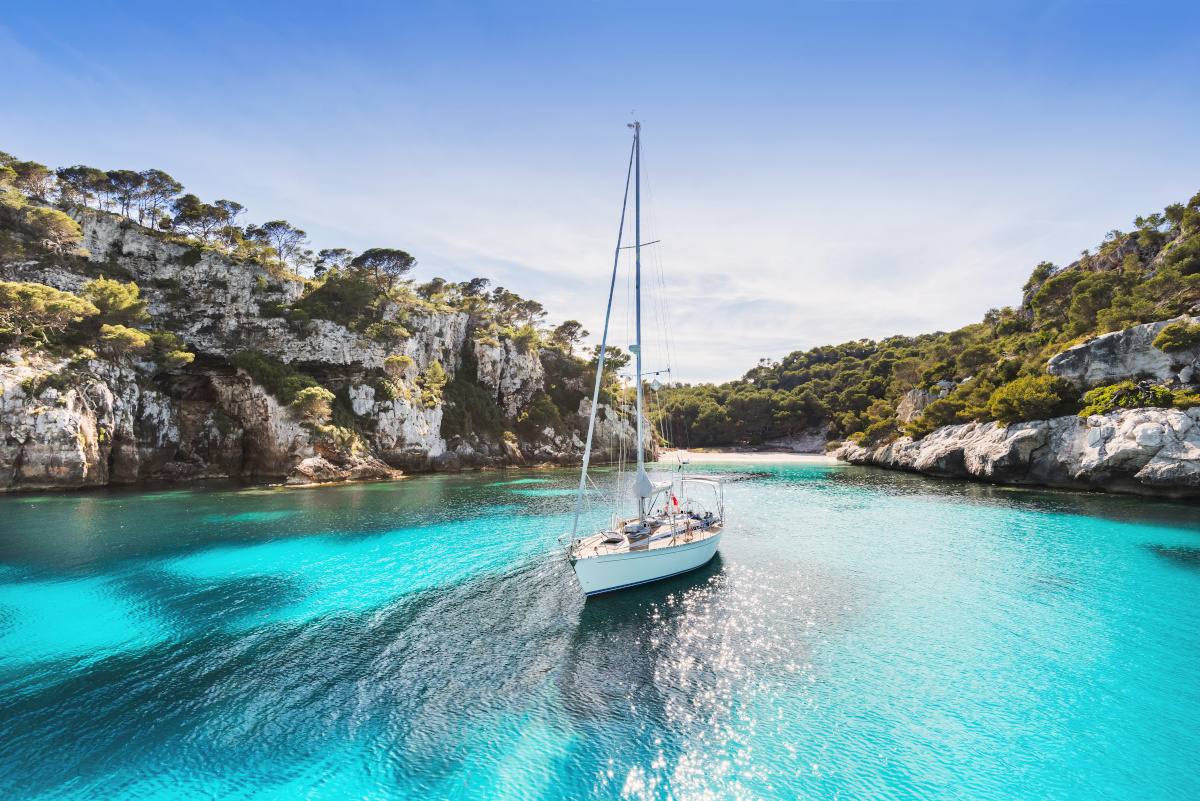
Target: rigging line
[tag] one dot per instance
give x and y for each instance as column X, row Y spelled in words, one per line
column 661, row 309
column 587, row 451
column 668, row 322
column 662, row 316
column 644, row 244
column 672, row 346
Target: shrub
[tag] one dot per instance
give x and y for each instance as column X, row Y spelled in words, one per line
column 539, row 413
column 942, row 371
column 1178, row 336
column 56, row 230
column 118, row 303
column 168, row 350
column 469, row 408
column 1040, row 274
column 34, row 386
column 974, row 357
column 1031, row 397
column 526, row 337
column 432, row 384
column 1186, row 257
column 283, row 381
column 945, row 411
column 1187, row 399
column 341, row 297
column 10, row 249
column 313, row 403
column 122, row 341
column 28, row 309
column 397, row 366
column 881, row 432
column 390, row 331
column 1125, row 395
column 1012, row 325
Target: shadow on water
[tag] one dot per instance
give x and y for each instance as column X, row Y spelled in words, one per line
column 1118, row 508
column 431, row 681
column 192, row 606
column 414, row 677
column 1182, row 555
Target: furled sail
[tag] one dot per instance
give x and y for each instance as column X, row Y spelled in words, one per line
column 643, row 487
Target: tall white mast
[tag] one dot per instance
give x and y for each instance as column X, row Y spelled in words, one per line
column 587, row 451
column 637, row 285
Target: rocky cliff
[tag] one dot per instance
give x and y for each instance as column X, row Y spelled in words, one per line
column 1139, row 451
column 89, row 420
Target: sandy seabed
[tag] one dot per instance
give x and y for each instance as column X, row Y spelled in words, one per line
column 748, row 458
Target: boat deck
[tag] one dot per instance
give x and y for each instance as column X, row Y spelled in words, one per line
column 662, row 534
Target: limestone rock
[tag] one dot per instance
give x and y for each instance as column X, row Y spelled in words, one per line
column 512, row 377
column 1139, row 451
column 913, row 403
column 1126, row 355
column 319, row 470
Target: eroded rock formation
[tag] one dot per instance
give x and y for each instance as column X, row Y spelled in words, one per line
column 98, row 421
column 1138, row 451
column 1127, row 355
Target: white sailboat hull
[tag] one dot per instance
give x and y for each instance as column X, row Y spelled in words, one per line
column 597, row 574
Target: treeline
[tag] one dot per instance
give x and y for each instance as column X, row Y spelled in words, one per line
column 993, row 370
column 372, row 293
column 350, row 288
column 155, row 200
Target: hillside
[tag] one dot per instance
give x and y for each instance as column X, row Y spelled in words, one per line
column 145, row 335
column 996, row 370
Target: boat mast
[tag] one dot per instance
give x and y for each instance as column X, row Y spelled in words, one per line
column 637, row 285
column 587, row 451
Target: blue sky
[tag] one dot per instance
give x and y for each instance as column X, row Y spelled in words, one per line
column 821, row 170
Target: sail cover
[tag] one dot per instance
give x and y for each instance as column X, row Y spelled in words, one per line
column 643, row 487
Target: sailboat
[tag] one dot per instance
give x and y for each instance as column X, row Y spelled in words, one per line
column 660, row 541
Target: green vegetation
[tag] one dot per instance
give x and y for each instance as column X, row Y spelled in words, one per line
column 1178, row 336
column 539, row 413
column 36, row 312
column 468, row 406
column 314, row 403
column 121, row 341
column 1126, row 395
column 116, row 303
column 397, row 366
column 432, row 384
column 283, row 381
column 168, row 351
column 1033, row 397
column 997, row 366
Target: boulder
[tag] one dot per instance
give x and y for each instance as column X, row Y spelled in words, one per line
column 1127, row 355
column 913, row 403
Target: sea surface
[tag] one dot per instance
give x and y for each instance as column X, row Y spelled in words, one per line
column 860, row 635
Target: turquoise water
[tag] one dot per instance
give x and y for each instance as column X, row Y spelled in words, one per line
column 860, row 634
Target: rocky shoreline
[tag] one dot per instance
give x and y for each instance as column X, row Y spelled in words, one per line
column 86, row 420
column 1149, row 452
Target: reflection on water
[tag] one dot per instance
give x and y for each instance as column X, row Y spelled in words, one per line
column 861, row 634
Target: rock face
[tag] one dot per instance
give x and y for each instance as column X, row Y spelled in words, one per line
column 1127, row 355
column 1137, row 451
column 102, row 421
column 913, row 403
column 512, row 376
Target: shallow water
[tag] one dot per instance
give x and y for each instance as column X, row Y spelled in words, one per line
column 860, row 634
